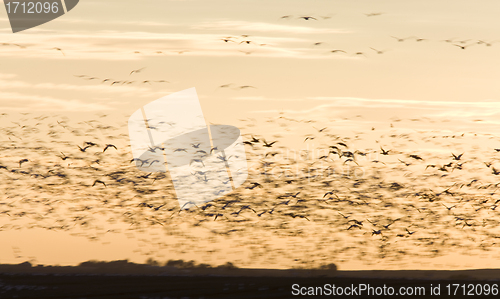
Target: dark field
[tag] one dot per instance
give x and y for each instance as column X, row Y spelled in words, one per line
column 122, row 279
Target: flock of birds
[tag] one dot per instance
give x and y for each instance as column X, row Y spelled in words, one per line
column 249, row 45
column 456, row 42
column 335, row 202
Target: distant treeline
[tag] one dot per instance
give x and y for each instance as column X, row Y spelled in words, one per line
column 119, row 267
column 151, row 267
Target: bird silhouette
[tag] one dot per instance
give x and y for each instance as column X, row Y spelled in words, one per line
column 22, row 161
column 416, row 157
column 100, row 182
column 60, row 50
column 463, row 47
column 293, row 215
column 63, row 156
column 137, row 71
column 405, row 163
column 384, row 152
column 487, row 44
column 353, row 226
column 401, row 39
column 268, row 144
column 307, row 18
column 409, row 232
column 254, row 185
column 84, row 149
column 373, row 14
column 379, row 51
column 109, row 146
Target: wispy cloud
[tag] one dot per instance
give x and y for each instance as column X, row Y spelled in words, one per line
column 18, row 94
column 396, row 103
column 262, row 98
column 136, row 45
column 18, row 102
column 7, row 76
column 111, row 22
column 322, row 106
column 116, row 89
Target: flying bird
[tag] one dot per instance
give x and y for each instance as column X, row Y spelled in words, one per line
column 378, row 51
column 63, row 156
column 108, row 146
column 268, row 144
column 137, row 70
column 487, row 44
column 449, row 208
column 399, row 39
column 405, row 163
column 409, row 232
column 254, row 185
column 100, row 182
column 464, row 46
column 225, row 85
column 354, row 226
column 83, row 149
column 90, row 143
column 373, row 14
column 384, row 152
column 22, row 161
column 307, row 18
column 59, row 49
column 416, row 157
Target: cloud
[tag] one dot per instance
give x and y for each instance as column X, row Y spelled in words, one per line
column 325, row 106
column 261, row 98
column 17, row 95
column 99, row 88
column 136, row 45
column 18, row 101
column 264, row 27
column 7, row 76
column 396, row 103
column 108, row 22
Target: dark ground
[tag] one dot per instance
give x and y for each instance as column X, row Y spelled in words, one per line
column 118, row 280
